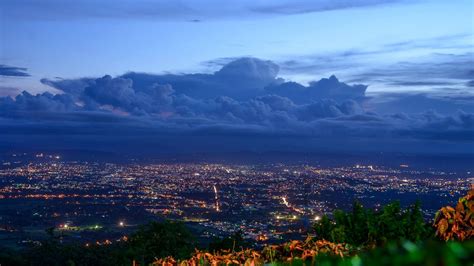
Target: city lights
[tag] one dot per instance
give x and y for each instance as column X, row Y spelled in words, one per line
column 223, row 198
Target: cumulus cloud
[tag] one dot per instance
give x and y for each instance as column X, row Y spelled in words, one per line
column 70, row 86
column 326, row 88
column 9, row 91
column 242, row 103
column 240, row 79
column 246, row 90
column 28, row 105
column 431, row 125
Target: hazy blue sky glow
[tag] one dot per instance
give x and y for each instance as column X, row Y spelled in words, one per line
column 61, row 38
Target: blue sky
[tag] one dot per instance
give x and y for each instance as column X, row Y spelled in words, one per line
column 60, row 38
column 190, row 75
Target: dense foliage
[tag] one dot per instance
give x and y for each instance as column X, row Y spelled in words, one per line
column 365, row 226
column 157, row 240
column 154, row 240
column 295, row 250
column 429, row 253
column 456, row 223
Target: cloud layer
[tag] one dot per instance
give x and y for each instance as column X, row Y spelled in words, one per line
column 242, row 106
column 171, row 10
column 11, row 71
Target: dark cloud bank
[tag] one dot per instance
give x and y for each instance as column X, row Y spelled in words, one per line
column 242, row 107
column 11, row 71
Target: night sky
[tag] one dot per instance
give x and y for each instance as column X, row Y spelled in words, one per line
column 213, row 76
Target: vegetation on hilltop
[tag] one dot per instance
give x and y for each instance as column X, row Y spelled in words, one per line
column 366, row 227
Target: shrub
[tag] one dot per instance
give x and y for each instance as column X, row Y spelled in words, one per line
column 456, row 223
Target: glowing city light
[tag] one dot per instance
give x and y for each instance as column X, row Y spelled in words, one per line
column 217, row 199
column 285, row 202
